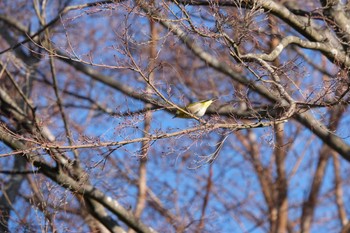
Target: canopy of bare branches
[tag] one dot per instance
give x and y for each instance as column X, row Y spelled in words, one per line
column 88, row 91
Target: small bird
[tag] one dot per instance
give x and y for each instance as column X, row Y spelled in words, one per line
column 197, row 108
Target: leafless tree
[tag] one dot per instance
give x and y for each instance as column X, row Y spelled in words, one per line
column 88, row 91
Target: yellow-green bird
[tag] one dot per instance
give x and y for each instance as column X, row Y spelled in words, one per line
column 197, row 108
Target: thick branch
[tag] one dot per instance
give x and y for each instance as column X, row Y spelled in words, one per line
column 306, row 119
column 87, row 191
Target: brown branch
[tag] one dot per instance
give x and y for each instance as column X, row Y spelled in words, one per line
column 86, row 190
column 57, row 94
column 280, row 154
column 306, row 119
column 18, row 89
column 16, row 172
column 206, row 199
column 333, row 50
column 269, row 6
column 64, row 11
column 263, row 174
column 37, row 201
column 142, row 182
column 206, row 127
column 9, row 193
column 310, row 204
column 339, row 194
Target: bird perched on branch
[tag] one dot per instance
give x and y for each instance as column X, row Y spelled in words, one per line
column 197, row 108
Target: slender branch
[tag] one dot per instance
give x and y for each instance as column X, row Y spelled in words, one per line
column 145, row 146
column 18, row 89
column 88, row 191
column 306, row 119
column 339, row 194
column 206, row 127
column 14, row 172
column 206, row 199
column 58, row 97
column 64, row 11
